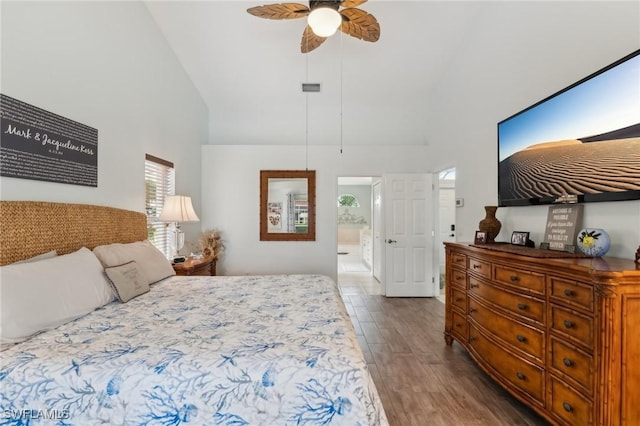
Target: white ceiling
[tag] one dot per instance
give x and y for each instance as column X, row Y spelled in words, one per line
column 249, row 70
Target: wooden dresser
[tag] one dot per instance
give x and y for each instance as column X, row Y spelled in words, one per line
column 560, row 334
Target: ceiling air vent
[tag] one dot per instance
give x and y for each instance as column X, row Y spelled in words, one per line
column 310, row 87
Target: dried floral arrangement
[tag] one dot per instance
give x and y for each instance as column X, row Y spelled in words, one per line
column 211, row 243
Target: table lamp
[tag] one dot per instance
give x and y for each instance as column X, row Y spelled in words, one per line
column 178, row 208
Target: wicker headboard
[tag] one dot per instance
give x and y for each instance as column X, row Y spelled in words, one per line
column 29, row 228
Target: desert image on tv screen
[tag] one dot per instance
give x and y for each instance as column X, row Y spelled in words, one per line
column 584, row 141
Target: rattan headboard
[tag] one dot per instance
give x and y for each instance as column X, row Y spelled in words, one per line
column 29, row 228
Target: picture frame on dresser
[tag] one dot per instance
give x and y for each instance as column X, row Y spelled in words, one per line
column 480, row 238
column 519, row 238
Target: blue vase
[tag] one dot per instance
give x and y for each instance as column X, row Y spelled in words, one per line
column 593, row 242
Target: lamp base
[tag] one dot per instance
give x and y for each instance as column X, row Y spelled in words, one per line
column 177, row 243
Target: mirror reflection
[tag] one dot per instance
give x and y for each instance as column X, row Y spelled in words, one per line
column 287, row 205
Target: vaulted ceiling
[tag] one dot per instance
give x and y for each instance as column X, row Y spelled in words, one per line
column 249, row 70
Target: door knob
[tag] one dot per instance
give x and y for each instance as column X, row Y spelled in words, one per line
column 390, row 241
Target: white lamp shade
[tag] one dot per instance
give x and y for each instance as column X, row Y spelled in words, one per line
column 324, row 21
column 178, row 208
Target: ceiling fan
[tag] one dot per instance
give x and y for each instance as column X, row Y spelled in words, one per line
column 324, row 19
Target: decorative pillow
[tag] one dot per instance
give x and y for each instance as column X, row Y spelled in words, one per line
column 42, row 295
column 127, row 281
column 151, row 262
column 43, row 256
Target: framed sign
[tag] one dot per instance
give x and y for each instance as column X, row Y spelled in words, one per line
column 39, row 145
column 563, row 223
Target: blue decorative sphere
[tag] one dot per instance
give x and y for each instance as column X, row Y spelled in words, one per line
column 593, row 242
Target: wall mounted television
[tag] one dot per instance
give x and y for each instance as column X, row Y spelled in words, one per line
column 581, row 144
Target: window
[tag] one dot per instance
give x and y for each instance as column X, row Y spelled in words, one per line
column 348, row 200
column 159, row 180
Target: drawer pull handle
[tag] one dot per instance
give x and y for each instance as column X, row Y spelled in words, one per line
column 520, row 376
column 567, row 362
column 459, row 260
column 569, row 293
column 568, row 324
column 476, row 266
column 459, row 299
column 522, row 306
column 458, row 324
column 474, row 285
column 472, row 310
column 458, row 278
column 567, row 407
column 521, row 338
column 514, row 278
column 472, row 338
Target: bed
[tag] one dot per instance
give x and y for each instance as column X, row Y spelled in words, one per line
column 245, row 350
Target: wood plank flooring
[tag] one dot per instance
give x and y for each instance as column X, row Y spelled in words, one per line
column 421, row 381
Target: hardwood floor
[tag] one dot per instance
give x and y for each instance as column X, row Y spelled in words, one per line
column 421, row 381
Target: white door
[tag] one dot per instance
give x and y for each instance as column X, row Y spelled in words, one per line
column 446, row 216
column 376, row 230
column 409, row 229
column 446, row 198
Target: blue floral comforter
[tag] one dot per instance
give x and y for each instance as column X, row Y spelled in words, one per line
column 252, row 350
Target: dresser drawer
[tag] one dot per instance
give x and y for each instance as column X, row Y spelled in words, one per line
column 459, row 260
column 480, row 267
column 573, row 363
column 572, row 324
column 523, row 375
column 569, row 405
column 522, row 305
column 571, row 293
column 459, row 299
column 527, row 339
column 459, row 325
column 458, row 278
column 521, row 279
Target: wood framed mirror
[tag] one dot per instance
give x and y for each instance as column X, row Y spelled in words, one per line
column 287, row 205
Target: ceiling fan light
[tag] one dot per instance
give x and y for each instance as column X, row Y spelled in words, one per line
column 324, row 21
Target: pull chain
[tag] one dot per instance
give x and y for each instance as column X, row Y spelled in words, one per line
column 341, row 84
column 306, row 161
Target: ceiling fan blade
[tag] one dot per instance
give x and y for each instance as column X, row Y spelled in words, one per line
column 310, row 40
column 352, row 3
column 360, row 24
column 280, row 11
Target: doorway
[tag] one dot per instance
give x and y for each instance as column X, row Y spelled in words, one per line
column 355, row 236
column 446, row 221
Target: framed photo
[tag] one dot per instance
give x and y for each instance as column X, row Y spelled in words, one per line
column 519, row 238
column 481, row 237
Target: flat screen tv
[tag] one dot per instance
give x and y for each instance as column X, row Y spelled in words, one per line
column 581, row 144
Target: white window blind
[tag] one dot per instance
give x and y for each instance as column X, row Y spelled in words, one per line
column 159, row 179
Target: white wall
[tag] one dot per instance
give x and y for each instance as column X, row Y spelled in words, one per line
column 532, row 50
column 106, row 65
column 231, row 199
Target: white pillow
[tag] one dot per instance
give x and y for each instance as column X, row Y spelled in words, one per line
column 151, row 262
column 42, row 295
column 43, row 256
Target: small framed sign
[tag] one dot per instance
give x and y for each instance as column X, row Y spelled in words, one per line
column 563, row 223
column 481, row 237
column 519, row 238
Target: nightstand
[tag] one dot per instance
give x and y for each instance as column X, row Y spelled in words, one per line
column 205, row 266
